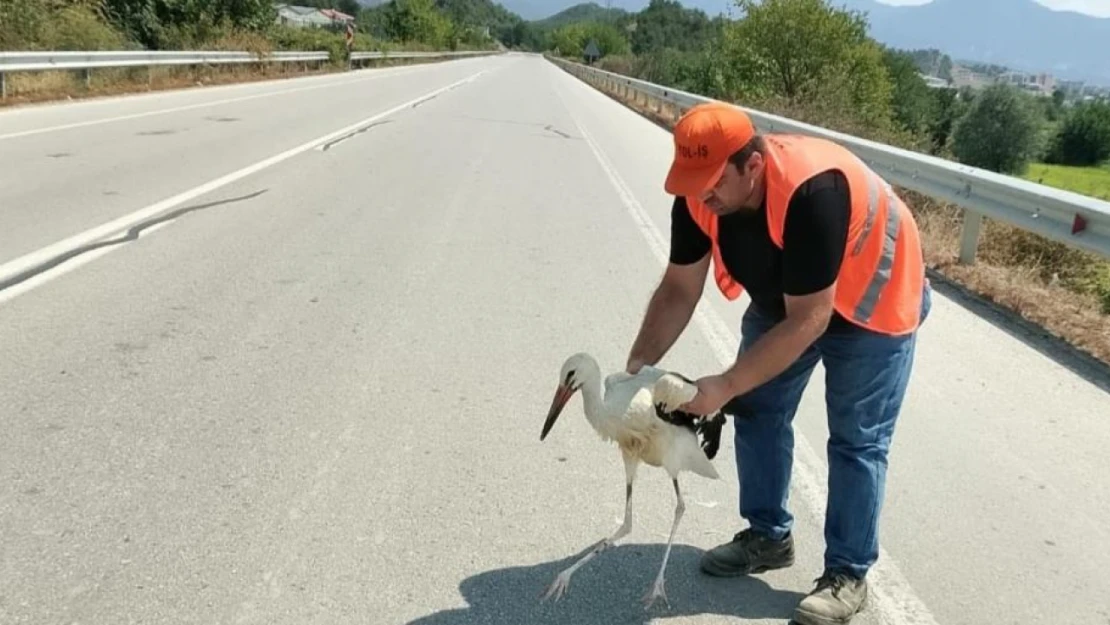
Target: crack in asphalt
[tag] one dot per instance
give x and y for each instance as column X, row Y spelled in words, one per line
column 327, row 146
column 555, row 130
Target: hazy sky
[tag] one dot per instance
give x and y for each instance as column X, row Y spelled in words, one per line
column 1100, row 8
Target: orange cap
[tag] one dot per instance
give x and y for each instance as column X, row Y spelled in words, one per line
column 704, row 137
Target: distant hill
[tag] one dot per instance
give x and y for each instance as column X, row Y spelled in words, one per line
column 474, row 13
column 478, row 13
column 534, row 10
column 544, row 10
column 588, row 11
column 1022, row 35
column 540, row 10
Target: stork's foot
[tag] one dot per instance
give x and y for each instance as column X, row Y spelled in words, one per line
column 559, row 586
column 657, row 592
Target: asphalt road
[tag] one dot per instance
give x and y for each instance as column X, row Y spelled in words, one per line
column 309, row 387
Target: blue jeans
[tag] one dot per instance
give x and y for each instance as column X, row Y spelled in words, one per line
column 866, row 378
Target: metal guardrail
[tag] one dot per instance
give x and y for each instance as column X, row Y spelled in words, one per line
column 1070, row 218
column 87, row 61
column 54, row 60
column 362, row 56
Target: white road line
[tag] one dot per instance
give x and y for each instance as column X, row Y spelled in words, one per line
column 68, row 266
column 894, row 598
column 189, row 107
column 29, row 261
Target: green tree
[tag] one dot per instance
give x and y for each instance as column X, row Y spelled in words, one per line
column 808, row 52
column 999, row 132
column 667, row 24
column 522, row 34
column 162, row 23
column 697, row 72
column 571, row 40
column 475, row 16
column 54, row 25
column 949, row 106
column 374, row 22
column 933, row 62
column 1084, row 137
column 914, row 105
column 1058, row 97
column 419, row 21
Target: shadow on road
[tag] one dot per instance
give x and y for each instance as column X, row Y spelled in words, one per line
column 608, row 590
column 131, row 235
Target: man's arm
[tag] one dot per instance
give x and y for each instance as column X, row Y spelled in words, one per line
column 673, row 302
column 815, row 238
column 668, row 312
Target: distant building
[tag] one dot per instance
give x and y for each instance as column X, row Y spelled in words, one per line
column 936, row 82
column 1040, row 84
column 964, row 77
column 338, row 16
column 1072, row 86
column 311, row 17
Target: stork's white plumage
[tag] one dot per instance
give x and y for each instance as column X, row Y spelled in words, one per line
column 638, row 412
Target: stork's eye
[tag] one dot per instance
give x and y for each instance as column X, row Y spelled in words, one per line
column 570, row 374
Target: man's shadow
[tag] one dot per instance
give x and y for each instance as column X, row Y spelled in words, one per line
column 609, row 588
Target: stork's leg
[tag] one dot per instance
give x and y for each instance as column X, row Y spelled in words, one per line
column 657, row 591
column 559, row 585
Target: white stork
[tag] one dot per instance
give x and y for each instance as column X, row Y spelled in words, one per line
column 638, row 412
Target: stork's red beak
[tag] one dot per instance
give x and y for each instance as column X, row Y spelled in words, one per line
column 562, row 396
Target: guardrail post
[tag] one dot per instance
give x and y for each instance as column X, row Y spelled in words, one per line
column 3, row 87
column 969, row 236
column 88, row 78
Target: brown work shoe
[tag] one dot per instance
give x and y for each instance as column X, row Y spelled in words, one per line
column 748, row 553
column 837, row 598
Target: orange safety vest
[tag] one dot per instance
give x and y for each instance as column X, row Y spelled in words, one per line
column 881, row 278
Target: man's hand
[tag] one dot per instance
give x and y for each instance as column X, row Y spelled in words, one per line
column 714, row 392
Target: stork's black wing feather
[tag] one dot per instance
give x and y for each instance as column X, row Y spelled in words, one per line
column 707, row 429
column 680, row 418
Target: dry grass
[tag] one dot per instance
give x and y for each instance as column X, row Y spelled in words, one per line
column 1017, row 281
column 24, row 88
column 1048, row 284
column 84, row 30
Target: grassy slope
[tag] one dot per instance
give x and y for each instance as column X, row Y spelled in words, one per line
column 1092, row 181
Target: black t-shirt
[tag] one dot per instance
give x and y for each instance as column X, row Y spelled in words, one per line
column 814, row 240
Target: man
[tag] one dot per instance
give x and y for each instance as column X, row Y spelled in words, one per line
column 832, row 261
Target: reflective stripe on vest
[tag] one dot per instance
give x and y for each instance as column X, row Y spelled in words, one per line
column 881, row 280
column 866, row 306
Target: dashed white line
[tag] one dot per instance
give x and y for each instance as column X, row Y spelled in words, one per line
column 189, row 107
column 38, row 257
